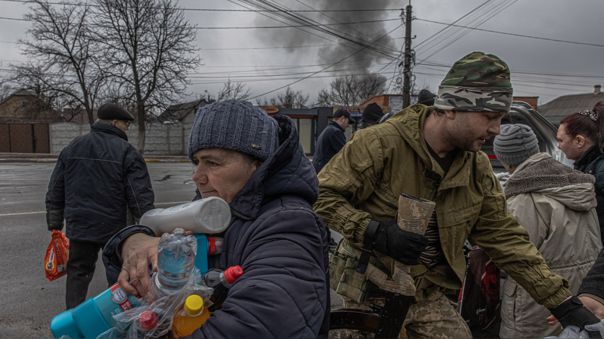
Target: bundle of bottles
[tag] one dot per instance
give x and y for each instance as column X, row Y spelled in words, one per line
column 183, row 291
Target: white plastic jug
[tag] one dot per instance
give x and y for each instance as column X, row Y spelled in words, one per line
column 208, row 216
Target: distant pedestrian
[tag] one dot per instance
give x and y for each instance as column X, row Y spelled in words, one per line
column 97, row 179
column 578, row 137
column 371, row 115
column 552, row 202
column 332, row 139
column 425, row 97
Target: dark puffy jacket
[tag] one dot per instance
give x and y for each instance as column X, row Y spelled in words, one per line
column 594, row 281
column 281, row 245
column 592, row 162
column 98, row 176
column 329, row 142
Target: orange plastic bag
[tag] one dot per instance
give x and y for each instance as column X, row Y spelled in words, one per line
column 57, row 254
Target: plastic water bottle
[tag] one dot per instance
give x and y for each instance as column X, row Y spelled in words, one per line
column 147, row 322
column 208, row 216
column 175, row 261
column 220, row 281
column 191, row 317
column 226, row 278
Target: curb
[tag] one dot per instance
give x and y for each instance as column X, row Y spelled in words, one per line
column 51, row 158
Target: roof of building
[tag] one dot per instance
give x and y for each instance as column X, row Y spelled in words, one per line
column 562, row 106
column 178, row 112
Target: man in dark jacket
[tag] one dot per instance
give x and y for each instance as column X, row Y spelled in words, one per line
column 331, row 140
column 274, row 234
column 371, row 115
column 98, row 178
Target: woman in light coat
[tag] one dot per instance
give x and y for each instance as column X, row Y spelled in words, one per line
column 557, row 206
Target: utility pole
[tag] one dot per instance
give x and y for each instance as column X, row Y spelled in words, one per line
column 407, row 59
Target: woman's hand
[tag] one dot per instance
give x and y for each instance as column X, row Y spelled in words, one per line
column 595, row 306
column 139, row 253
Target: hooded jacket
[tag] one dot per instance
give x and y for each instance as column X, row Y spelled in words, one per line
column 364, row 180
column 592, row 162
column 557, row 206
column 329, row 142
column 98, row 178
column 282, row 247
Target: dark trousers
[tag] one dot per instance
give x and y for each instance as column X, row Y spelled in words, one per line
column 80, row 269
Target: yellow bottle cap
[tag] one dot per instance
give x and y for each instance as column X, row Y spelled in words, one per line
column 193, row 304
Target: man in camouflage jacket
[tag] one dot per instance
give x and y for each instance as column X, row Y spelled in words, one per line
column 433, row 153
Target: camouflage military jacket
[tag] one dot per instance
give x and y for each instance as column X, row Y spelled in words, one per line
column 363, row 182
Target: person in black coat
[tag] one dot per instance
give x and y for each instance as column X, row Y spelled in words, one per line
column 331, row 140
column 256, row 164
column 97, row 179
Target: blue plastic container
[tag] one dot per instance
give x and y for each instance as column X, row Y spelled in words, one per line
column 95, row 315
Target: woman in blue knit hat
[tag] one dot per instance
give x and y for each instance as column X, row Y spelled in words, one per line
column 255, row 163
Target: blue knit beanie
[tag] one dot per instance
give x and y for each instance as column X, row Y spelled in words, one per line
column 234, row 125
column 515, row 143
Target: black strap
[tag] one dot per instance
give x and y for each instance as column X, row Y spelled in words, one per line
column 368, row 240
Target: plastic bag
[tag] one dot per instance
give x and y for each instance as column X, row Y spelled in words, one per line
column 57, row 254
column 127, row 322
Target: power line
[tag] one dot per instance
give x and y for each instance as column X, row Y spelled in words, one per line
column 298, row 26
column 323, row 69
column 238, row 10
column 514, row 34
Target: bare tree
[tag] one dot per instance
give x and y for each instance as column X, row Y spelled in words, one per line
column 148, row 48
column 351, row 90
column 324, row 98
column 65, row 67
column 290, row 99
column 5, row 90
column 231, row 90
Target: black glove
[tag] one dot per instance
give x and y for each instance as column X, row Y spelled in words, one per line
column 401, row 245
column 572, row 312
column 54, row 219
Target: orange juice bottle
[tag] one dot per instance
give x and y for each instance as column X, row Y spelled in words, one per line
column 191, row 317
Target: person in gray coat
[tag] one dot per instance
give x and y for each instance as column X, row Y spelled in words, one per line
column 557, row 206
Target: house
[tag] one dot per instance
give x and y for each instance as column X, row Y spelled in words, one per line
column 24, row 119
column 183, row 113
column 309, row 121
column 557, row 109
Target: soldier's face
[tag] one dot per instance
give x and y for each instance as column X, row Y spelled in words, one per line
column 468, row 131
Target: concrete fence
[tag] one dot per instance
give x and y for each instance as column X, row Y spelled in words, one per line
column 161, row 139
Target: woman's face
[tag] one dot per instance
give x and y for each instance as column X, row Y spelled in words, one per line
column 572, row 147
column 222, row 173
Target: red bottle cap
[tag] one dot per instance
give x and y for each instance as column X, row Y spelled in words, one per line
column 147, row 320
column 232, row 273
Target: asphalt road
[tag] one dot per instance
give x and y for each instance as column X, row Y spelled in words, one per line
column 28, row 300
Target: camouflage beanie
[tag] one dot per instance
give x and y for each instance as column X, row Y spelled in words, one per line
column 478, row 82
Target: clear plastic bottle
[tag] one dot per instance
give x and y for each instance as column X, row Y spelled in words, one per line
column 220, row 281
column 175, row 262
column 215, row 278
column 191, row 317
column 147, row 322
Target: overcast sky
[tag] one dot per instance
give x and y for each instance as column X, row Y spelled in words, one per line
column 565, row 55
